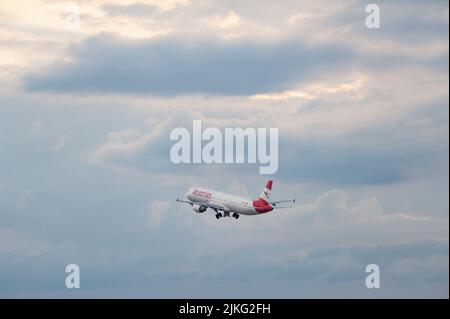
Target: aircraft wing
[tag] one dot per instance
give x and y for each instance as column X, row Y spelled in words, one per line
column 275, row 204
column 208, row 205
column 184, row 201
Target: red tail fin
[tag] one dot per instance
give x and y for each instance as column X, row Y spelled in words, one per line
column 265, row 195
column 261, row 205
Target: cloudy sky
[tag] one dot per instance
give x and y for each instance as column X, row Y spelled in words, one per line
column 86, row 112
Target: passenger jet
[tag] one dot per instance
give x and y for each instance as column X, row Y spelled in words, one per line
column 201, row 199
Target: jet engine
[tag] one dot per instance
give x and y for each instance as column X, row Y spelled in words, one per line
column 198, row 208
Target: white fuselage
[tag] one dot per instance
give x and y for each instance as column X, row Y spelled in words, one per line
column 230, row 203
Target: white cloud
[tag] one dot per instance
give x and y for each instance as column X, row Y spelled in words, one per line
column 229, row 21
column 126, row 145
column 157, row 211
column 336, row 204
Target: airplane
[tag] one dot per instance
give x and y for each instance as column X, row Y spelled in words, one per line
column 202, row 198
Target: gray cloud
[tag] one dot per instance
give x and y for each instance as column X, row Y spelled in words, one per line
column 174, row 66
column 371, row 179
column 377, row 155
column 383, row 254
column 415, row 269
column 381, row 154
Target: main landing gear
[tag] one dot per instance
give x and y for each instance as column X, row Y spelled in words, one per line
column 219, row 215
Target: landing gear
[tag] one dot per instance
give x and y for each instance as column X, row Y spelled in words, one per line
column 227, row 214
